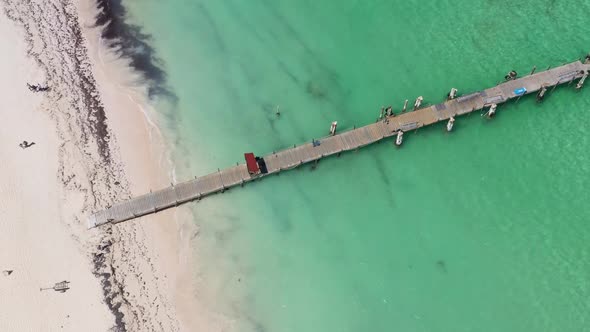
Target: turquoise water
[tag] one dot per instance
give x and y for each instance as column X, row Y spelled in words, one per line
column 484, row 229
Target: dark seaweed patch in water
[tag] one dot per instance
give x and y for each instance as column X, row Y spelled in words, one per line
column 132, row 43
column 256, row 325
column 215, row 31
column 384, row 177
column 288, row 72
column 316, row 90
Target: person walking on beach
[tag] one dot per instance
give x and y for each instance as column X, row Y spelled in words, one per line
column 37, row 88
column 26, row 144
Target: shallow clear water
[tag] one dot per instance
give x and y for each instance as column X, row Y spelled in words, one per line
column 484, row 229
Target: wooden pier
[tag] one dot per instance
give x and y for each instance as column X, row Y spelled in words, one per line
column 332, row 145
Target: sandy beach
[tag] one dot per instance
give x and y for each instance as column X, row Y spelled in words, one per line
column 93, row 145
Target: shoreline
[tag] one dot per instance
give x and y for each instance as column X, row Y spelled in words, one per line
column 170, row 257
column 106, row 148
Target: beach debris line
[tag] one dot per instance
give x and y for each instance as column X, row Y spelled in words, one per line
column 37, row 88
column 61, row 287
column 25, row 144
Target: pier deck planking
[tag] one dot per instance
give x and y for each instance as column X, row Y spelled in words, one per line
column 331, row 145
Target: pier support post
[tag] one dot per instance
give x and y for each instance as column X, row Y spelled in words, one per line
column 541, row 94
column 399, row 138
column 491, row 112
column 418, row 102
column 581, row 81
column 572, row 80
column 333, row 128
column 555, row 86
column 450, row 124
column 533, row 71
column 452, row 94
